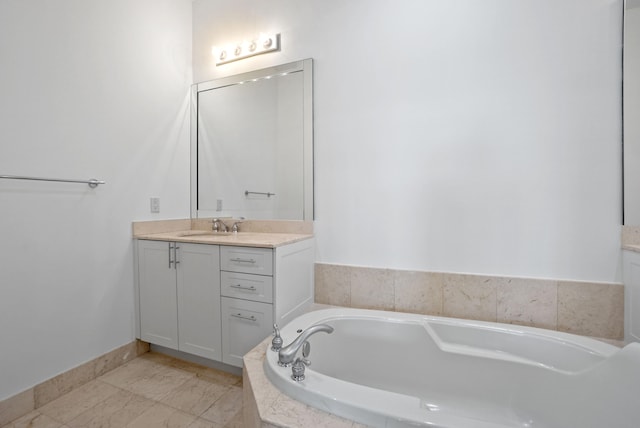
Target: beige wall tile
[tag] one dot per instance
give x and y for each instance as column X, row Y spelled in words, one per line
column 277, row 226
column 289, row 412
column 418, row 292
column 372, row 288
column 250, row 415
column 592, row 309
column 159, row 226
column 470, row 297
column 530, row 302
column 333, row 284
column 259, row 385
column 16, row 406
column 53, row 388
column 116, row 358
column 630, row 235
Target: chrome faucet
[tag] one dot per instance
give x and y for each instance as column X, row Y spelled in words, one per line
column 287, row 354
column 218, row 225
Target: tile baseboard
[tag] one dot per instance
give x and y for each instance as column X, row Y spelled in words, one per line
column 26, row 401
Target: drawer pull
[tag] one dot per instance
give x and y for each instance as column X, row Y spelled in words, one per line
column 240, row 287
column 251, row 318
column 239, row 260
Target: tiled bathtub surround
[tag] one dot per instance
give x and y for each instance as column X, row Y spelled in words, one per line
column 49, row 390
column 265, row 406
column 631, row 238
column 590, row 309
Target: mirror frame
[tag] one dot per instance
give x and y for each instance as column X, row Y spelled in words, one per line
column 306, row 67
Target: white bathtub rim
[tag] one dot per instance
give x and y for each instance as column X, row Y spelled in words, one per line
column 337, row 399
column 585, row 344
column 392, row 409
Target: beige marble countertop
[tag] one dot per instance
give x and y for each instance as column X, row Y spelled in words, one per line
column 240, row 239
column 253, row 233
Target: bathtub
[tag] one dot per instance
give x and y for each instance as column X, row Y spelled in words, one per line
column 387, row 369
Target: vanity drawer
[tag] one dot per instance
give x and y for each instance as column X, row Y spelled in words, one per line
column 247, row 260
column 245, row 286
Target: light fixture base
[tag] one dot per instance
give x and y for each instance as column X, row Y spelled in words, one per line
column 264, row 44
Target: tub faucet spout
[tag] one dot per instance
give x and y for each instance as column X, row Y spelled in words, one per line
column 287, row 354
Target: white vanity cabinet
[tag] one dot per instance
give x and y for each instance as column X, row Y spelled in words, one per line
column 219, row 301
column 247, row 302
column 260, row 287
column 179, row 296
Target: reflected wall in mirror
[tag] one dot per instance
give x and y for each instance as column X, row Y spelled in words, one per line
column 631, row 108
column 252, row 148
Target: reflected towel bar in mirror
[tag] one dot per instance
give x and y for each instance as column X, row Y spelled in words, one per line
column 267, row 194
column 91, row 182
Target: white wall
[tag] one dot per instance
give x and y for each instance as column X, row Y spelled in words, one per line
column 459, row 135
column 88, row 89
column 632, row 113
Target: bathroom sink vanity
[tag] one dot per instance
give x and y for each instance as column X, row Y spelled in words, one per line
column 218, row 296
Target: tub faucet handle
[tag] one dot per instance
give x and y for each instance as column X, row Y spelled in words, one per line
column 276, row 342
column 297, row 369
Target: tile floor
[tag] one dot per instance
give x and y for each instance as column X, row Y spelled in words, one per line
column 152, row 390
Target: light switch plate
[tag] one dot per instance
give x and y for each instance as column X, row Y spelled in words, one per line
column 155, row 205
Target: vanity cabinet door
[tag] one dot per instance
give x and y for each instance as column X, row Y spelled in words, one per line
column 158, row 309
column 198, row 289
column 244, row 324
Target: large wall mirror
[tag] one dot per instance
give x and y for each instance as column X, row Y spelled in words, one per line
column 252, row 144
column 631, row 108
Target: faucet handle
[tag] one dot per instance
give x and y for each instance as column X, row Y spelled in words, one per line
column 276, row 342
column 306, row 349
column 298, row 367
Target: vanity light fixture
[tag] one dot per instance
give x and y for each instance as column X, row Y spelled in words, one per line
column 264, row 44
